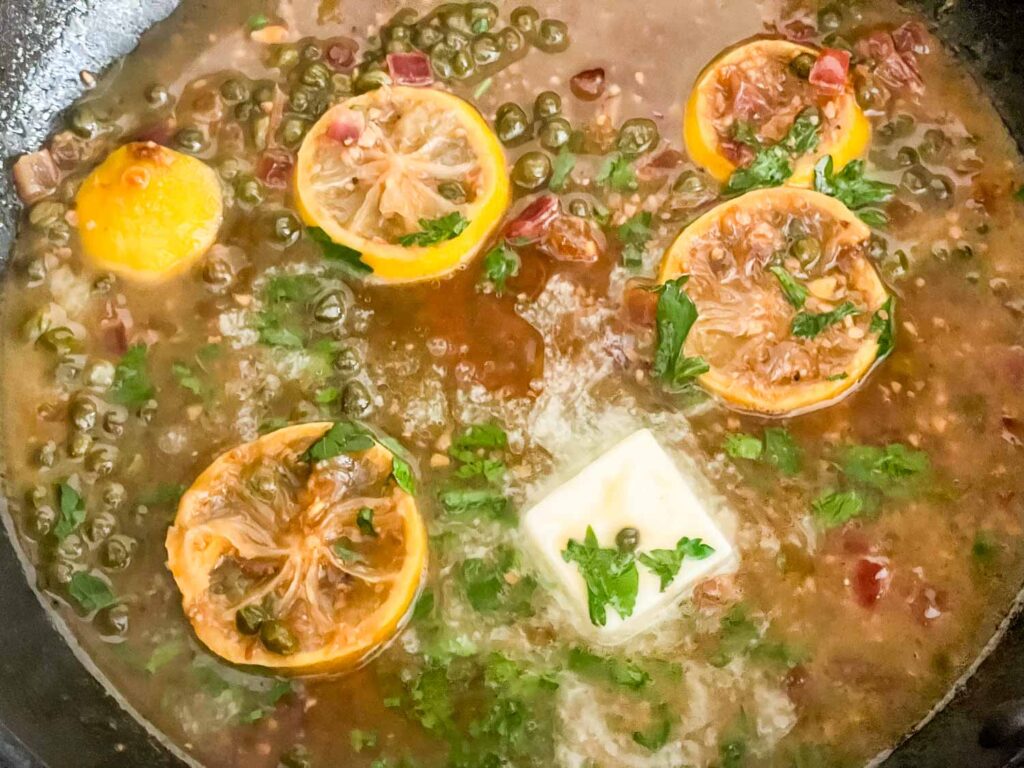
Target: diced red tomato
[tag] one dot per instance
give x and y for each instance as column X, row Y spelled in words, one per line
column 829, row 72
column 871, row 578
column 534, row 220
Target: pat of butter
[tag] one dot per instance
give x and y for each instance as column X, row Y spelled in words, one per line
column 635, row 484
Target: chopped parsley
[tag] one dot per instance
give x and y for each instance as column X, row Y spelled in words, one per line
column 771, row 164
column 132, row 386
column 470, row 503
column 342, row 437
column 164, row 654
column 343, row 549
column 434, row 231
column 674, row 317
column 737, row 635
column 893, row 470
column 776, row 448
column 493, row 584
column 883, row 322
column 665, row 563
column 562, row 166
column 348, row 258
column 361, row 740
column 90, row 592
column 72, row 511
column 500, row 263
column 743, row 446
column 634, row 235
column 835, row 508
column 853, row 190
column 807, row 325
column 187, row 378
column 364, row 521
column 616, row 671
column 610, row 574
column 617, row 172
column 656, row 736
column 795, row 293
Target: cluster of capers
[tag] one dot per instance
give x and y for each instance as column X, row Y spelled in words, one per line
column 274, row 634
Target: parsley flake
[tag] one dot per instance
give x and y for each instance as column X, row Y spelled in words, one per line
column 434, row 231
column 132, row 386
column 500, row 263
column 634, row 235
column 665, row 563
column 72, row 511
column 90, row 592
column 348, row 258
column 611, row 577
column 834, row 508
column 674, row 317
column 364, row 520
column 795, row 293
column 342, row 437
column 853, row 190
column 618, row 173
column 807, row 325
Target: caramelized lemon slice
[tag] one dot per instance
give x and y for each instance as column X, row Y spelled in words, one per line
column 790, row 311
column 148, row 212
column 764, row 84
column 411, row 178
column 303, row 563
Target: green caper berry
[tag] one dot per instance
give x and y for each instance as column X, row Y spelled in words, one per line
column 316, row 75
column 552, row 36
column 78, row 444
column 355, row 399
column 829, row 19
column 157, row 96
column 915, row 180
column 311, row 52
column 45, row 214
column 42, row 520
column 118, row 551
column 114, row 495
column 555, row 133
column 189, row 140
column 147, row 411
column 399, row 32
column 511, row 40
column 531, row 171
column 60, row 340
column 512, row 125
column 427, row 36
column 286, row 228
column 83, row 121
column 46, row 454
column 348, row 362
column 806, row 250
column 963, row 251
column 462, row 65
column 371, row 81
column 37, row 496
column 341, row 83
column 525, row 19
column 71, row 548
column 101, row 526
column 285, row 57
column 457, row 40
column 580, row 208
column 398, row 46
column 481, row 17
column 547, row 104
column 627, row 540
column 234, row 91
column 330, row 309
column 59, row 233
column 689, row 183
column 113, row 620
column 114, row 421
column 292, row 131
column 802, row 65
column 486, row 50
column 636, row 136
column 249, row 190
column 441, row 61
column 277, row 638
column 249, row 618
column 100, row 375
column 453, row 191
column 100, row 461
column 907, row 156
column 83, row 414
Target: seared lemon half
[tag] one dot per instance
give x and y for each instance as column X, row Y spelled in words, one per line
column 790, row 311
column 148, row 212
column 753, row 93
column 411, row 178
column 301, row 551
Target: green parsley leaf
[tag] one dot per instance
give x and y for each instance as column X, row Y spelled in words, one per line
column 777, row 654
column 90, row 592
column 364, row 520
column 485, row 435
column 327, row 395
column 665, row 563
column 132, row 386
column 486, row 585
column 361, row 740
column 1019, row 194
column 807, row 325
column 611, row 577
column 851, row 188
column 401, row 468
column 268, row 704
column 343, row 549
column 781, row 451
column 434, row 231
column 470, row 503
column 164, row 654
column 290, row 289
column 834, row 508
column 802, row 136
column 883, row 322
column 743, row 131
column 275, row 336
column 187, row 378
column 431, row 700
column 771, row 165
column 348, row 258
column 655, row 737
column 617, row 671
column 894, row 469
column 257, row 21
column 634, row 235
column 500, row 263
column 737, row 634
column 674, row 317
column 742, row 446
column 72, row 511
column 562, row 166
column 795, row 293
column 342, row 437
column 617, row 172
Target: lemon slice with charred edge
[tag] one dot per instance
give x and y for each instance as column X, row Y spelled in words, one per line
column 148, row 212
column 790, row 311
column 758, row 73
column 301, row 563
column 411, row 178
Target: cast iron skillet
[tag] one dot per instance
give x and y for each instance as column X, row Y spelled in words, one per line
column 55, row 714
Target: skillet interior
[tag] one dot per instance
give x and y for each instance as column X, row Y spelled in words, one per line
column 53, row 711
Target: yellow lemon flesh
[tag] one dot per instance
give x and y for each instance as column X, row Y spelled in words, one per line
column 757, row 74
column 293, row 563
column 790, row 310
column 377, row 166
column 148, row 212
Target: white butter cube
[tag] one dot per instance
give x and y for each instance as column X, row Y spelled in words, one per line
column 635, row 484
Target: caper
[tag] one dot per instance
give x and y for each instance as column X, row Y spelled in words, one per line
column 316, row 75
column 525, row 19
column 113, row 620
column 512, row 125
column 531, row 171
column 871, row 94
column 398, row 46
column 157, row 96
column 690, row 185
column 114, row 496
column 547, row 104
column 46, row 454
column 147, row 411
column 68, row 369
column 101, row 459
column 427, row 36
column 37, row 496
column 400, row 32
column 371, row 81
column 906, row 157
column 311, row 52
column 355, row 399
column 285, row 57
column 249, row 190
column 35, row 272
column 348, row 362
column 249, row 618
column 580, row 208
column 458, row 41
column 100, row 375
column 915, row 180
column 801, row 65
column 118, row 551
column 934, row 145
column 963, row 251
column 636, row 136
column 486, row 50
column 71, row 547
column 462, row 65
column 83, row 413
column 292, row 131
column 829, row 19
column 555, row 133
column 453, row 16
column 511, row 40
column 234, row 91
column 101, row 526
column 330, row 309
column 277, row 638
column 60, row 340
column 59, row 573
column 806, row 250
column 78, row 444
column 940, row 187
column 441, row 56
column 453, row 191
column 481, row 17
column 42, row 520
column 627, row 540
column 552, row 36
column 342, row 84
column 286, row 228
column 244, row 111
column 83, row 121
column 114, row 421
column 189, row 140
